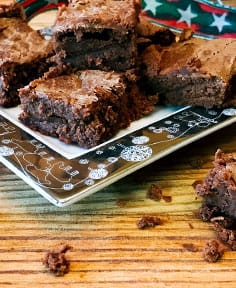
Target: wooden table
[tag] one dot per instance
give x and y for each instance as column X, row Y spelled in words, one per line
column 108, row 248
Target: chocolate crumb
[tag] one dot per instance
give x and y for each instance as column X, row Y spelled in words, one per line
column 56, row 262
column 167, row 199
column 154, row 193
column 190, row 225
column 212, row 252
column 148, row 221
column 190, row 247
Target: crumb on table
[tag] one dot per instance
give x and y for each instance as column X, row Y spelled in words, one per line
column 148, row 221
column 154, row 192
column 56, row 261
column 190, row 247
column 212, row 252
column 167, row 198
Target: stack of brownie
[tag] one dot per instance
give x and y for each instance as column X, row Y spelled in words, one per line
column 109, row 67
column 91, row 93
column 23, row 53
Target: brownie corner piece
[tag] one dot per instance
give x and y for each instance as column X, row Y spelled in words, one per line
column 98, row 34
column 23, row 57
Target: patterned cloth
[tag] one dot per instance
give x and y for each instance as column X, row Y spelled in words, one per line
column 207, row 19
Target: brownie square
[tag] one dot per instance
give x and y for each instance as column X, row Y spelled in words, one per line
column 10, row 8
column 194, row 72
column 23, row 57
column 97, row 34
column 85, row 107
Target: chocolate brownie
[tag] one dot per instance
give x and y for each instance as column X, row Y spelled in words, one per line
column 194, row 72
column 97, row 34
column 219, row 187
column 23, row 54
column 86, row 107
column 218, row 191
column 10, row 8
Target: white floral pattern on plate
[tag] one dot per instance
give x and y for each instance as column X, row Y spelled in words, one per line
column 64, row 181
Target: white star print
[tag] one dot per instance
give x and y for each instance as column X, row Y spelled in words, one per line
column 151, row 5
column 219, row 22
column 186, row 15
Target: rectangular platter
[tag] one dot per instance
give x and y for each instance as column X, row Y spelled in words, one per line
column 65, row 174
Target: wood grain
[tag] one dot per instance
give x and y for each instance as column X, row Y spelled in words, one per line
column 108, row 248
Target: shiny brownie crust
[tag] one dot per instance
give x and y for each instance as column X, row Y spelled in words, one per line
column 85, row 107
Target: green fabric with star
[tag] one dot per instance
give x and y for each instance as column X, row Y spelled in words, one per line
column 207, row 19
